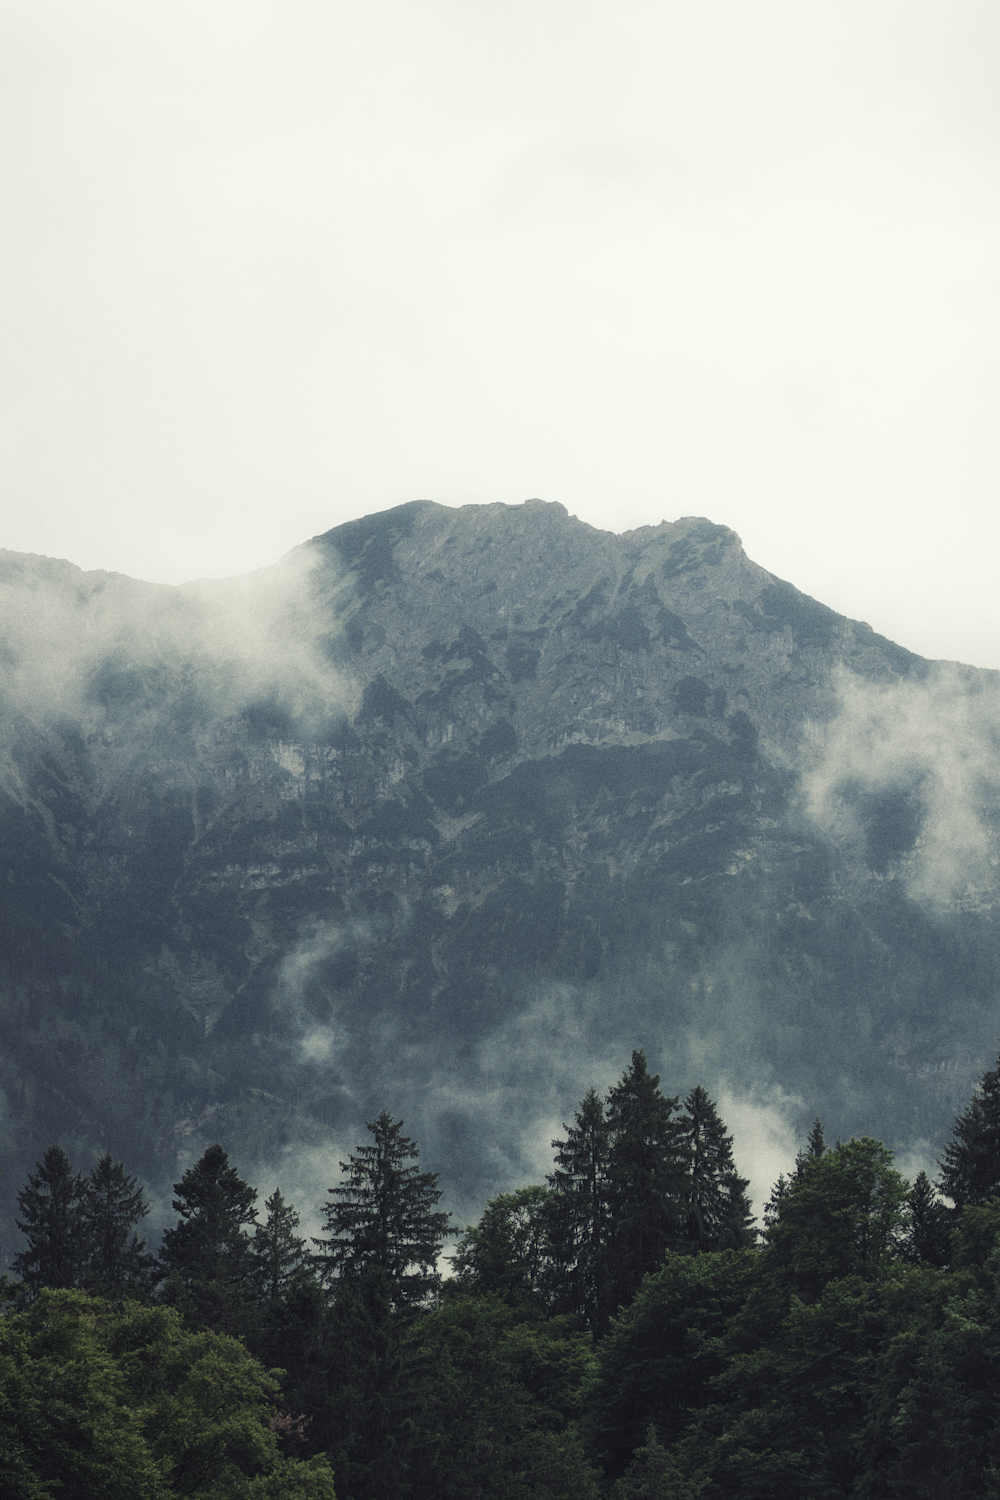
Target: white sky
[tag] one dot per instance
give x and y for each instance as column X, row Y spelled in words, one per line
column 267, row 266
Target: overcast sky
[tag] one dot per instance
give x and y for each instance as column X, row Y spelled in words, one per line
column 268, row 266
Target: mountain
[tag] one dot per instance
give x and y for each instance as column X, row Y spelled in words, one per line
column 447, row 812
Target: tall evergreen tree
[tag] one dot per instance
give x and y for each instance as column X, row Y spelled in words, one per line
column 816, row 1144
column 290, row 1328
column 117, row 1263
column 652, row 1475
column 279, row 1259
column 206, row 1257
column 52, row 1207
column 580, row 1218
column 772, row 1208
column 970, row 1171
column 929, row 1238
column 383, row 1219
column 844, row 1214
column 646, row 1178
column 384, row 1236
column 717, row 1209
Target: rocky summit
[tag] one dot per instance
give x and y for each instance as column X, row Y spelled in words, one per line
column 447, row 812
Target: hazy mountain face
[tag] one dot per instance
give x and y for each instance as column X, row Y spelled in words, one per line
column 449, row 811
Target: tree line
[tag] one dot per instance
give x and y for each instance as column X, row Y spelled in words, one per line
column 621, row 1329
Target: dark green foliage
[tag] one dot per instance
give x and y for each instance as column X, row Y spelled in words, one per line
column 791, row 1412
column 646, row 1179
column 653, row 1475
column 383, row 1218
column 365, row 1423
column 857, row 1352
column 130, row 1405
column 816, row 1145
column 717, row 1210
column 662, row 1353
column 508, row 1254
column 632, row 1180
column 970, row 1170
column 290, row 1324
column 843, row 1214
column 929, row 1239
column 207, row 1257
column 580, row 1218
column 52, row 1208
column 498, row 1405
column 279, row 1259
column 117, row 1263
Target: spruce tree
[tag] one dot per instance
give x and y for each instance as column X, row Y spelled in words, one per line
column 206, row 1257
column 380, row 1253
column 772, row 1208
column 290, row 1328
column 383, row 1220
column 970, row 1171
column 844, row 1214
column 816, row 1145
column 717, row 1210
column 117, row 1264
column 52, row 1207
column 929, row 1237
column 580, row 1219
column 279, row 1259
column 653, row 1475
column 646, row 1178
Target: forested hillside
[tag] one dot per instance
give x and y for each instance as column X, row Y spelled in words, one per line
column 447, row 807
column 622, row 1328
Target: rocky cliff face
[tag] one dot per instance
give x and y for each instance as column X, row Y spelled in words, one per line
column 450, row 810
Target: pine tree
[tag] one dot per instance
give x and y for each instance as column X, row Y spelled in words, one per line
column 816, row 1144
column 279, row 1258
column 117, row 1264
column 646, row 1178
column 970, row 1171
column 291, row 1325
column 772, row 1208
column 652, row 1475
column 580, row 1218
column 52, row 1205
column 206, row 1256
column 383, row 1220
column 717, row 1209
column 843, row 1215
column 384, row 1236
column 929, row 1238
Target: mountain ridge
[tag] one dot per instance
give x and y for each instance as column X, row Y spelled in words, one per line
column 483, row 793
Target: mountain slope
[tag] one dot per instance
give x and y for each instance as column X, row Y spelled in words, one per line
column 447, row 812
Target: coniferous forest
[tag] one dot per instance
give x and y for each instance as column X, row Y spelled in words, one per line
column 624, row 1328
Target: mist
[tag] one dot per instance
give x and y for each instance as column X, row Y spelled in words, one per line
column 909, row 772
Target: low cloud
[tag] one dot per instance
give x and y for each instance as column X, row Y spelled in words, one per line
column 765, row 1139
column 907, row 775
column 91, row 646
